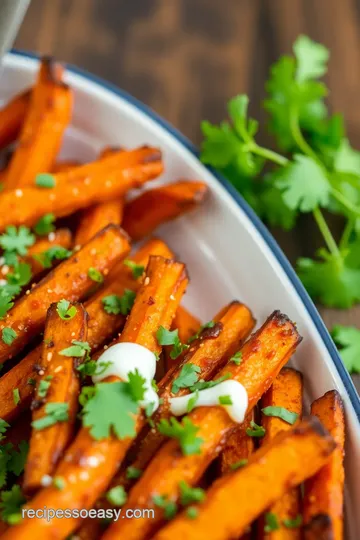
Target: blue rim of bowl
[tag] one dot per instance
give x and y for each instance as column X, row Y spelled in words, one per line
column 267, row 236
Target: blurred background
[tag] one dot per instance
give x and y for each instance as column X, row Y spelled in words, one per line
column 186, row 58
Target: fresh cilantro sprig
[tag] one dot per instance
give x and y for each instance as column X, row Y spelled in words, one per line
column 17, row 240
column 64, row 310
column 114, row 304
column 185, row 431
column 54, row 253
column 10, row 505
column 188, row 376
column 171, row 337
column 137, row 270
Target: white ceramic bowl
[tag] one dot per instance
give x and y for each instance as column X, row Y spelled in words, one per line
column 229, row 252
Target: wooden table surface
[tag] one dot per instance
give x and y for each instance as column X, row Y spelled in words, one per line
column 186, row 58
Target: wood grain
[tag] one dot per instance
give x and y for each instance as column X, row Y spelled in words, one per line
column 185, row 58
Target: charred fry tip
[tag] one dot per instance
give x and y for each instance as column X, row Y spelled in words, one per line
column 287, row 369
column 314, row 424
column 319, row 524
column 53, row 71
column 156, row 155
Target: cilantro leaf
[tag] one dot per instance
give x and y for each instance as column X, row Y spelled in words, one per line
column 46, row 258
column 137, row 385
column 293, row 523
column 8, row 335
column 185, row 431
column 45, row 180
column 64, row 310
column 189, row 495
column 5, row 302
column 281, row 412
column 3, row 427
column 272, row 205
column 95, row 275
column 271, row 522
column 110, row 408
column 169, row 507
column 209, row 324
column 20, row 276
column 16, row 396
column 115, row 305
column 10, row 505
column 45, row 225
column 202, row 385
column 78, row 349
column 171, row 337
column 116, row 496
column 136, row 269
column 304, row 184
column 44, row 386
column 186, row 378
column 311, row 59
column 133, row 472
column 331, row 280
column 238, row 464
column 348, row 340
column 17, row 240
column 17, row 458
column 255, row 430
column 55, row 412
column 236, row 358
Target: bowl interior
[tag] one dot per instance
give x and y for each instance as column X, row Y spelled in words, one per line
column 226, row 254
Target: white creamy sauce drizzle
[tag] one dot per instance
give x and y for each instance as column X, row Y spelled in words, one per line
column 125, row 358
column 210, row 397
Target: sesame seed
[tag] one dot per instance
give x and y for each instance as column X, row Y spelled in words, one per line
column 172, row 297
column 93, row 251
column 18, row 193
column 28, row 292
column 147, row 280
column 52, row 197
column 75, row 191
column 72, row 334
column 92, row 461
column 51, row 236
column 49, row 356
column 58, row 369
column 41, row 372
column 72, row 478
column 106, row 347
column 106, row 271
column 108, row 183
column 49, row 290
column 84, row 475
column 46, row 480
column 4, row 269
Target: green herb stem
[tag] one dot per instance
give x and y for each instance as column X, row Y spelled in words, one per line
column 268, row 154
column 345, row 237
column 299, row 138
column 326, row 233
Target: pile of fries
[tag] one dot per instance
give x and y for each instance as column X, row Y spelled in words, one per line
column 70, row 289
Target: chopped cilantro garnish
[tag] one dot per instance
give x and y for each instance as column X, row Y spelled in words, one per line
column 186, row 378
column 5, row 302
column 44, row 386
column 58, row 482
column 10, row 505
column 238, row 464
column 17, row 240
column 46, row 258
column 225, row 400
column 55, row 412
column 45, row 225
column 192, row 512
column 185, row 431
column 255, row 430
column 31, row 381
column 116, row 496
column 136, row 269
column 20, row 276
column 115, row 305
column 271, row 522
column 171, row 337
column 169, row 507
column 91, row 367
column 45, row 180
column 64, row 310
column 78, row 349
column 189, row 495
column 281, row 412
column 8, row 335
column 193, row 401
column 133, row 472
column 293, row 523
column 236, row 358
column 16, row 396
column 3, row 427
column 95, row 275
column 202, row 385
column 136, row 384
column 209, row 324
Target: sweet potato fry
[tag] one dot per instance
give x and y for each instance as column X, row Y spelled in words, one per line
column 58, row 382
column 286, row 392
column 289, row 459
column 48, row 114
column 324, row 492
column 101, row 327
column 64, row 166
column 12, row 117
column 102, row 180
column 157, row 206
column 210, row 352
column 69, row 280
column 187, row 326
column 96, row 218
column 263, row 355
column 99, row 459
column 239, row 447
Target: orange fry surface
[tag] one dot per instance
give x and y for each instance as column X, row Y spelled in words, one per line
column 12, row 117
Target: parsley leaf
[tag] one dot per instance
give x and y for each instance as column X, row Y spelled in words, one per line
column 255, row 430
column 10, row 505
column 111, row 407
column 46, row 258
column 64, row 310
column 171, row 337
column 78, row 349
column 189, row 495
column 55, row 412
column 117, row 496
column 281, row 412
column 8, row 335
column 115, row 305
column 136, row 269
column 45, row 180
column 17, row 240
column 95, row 275
column 185, row 431
column 186, row 378
column 45, row 225
column 348, row 340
